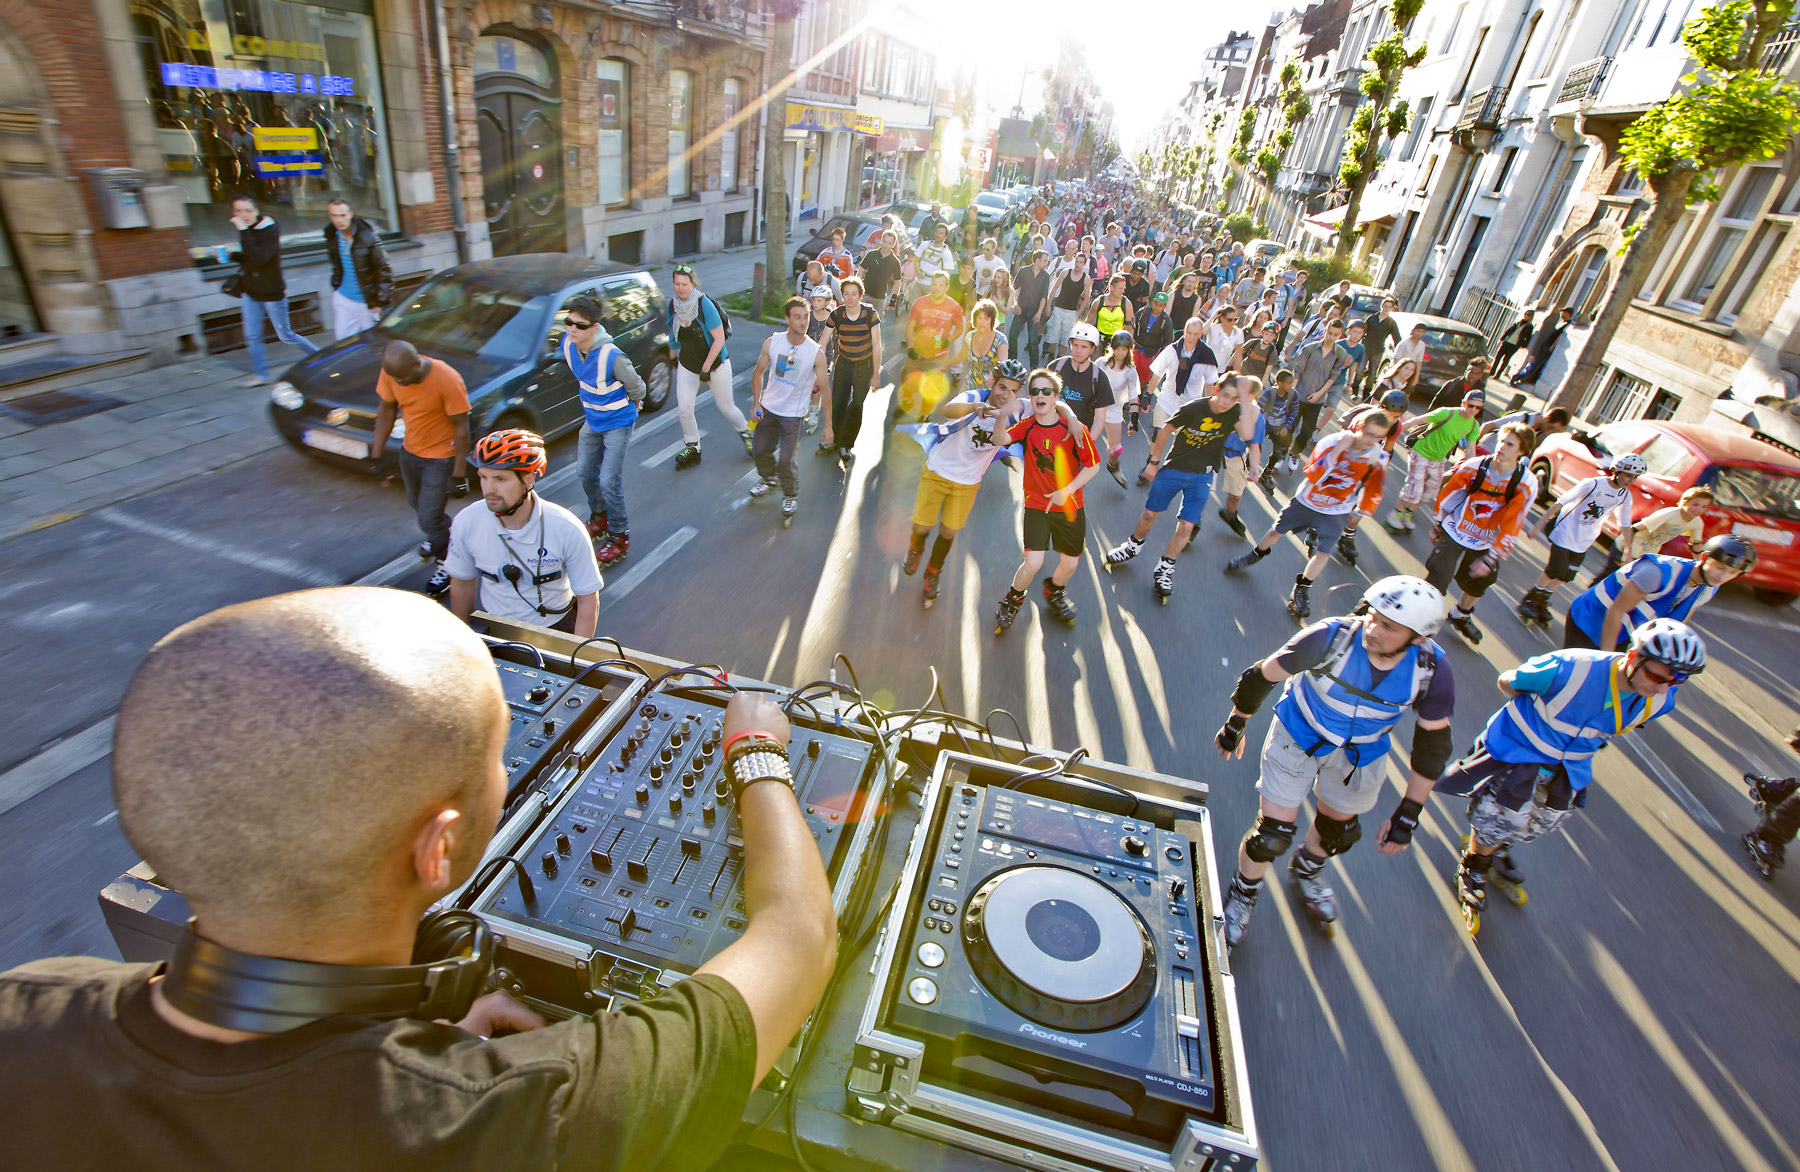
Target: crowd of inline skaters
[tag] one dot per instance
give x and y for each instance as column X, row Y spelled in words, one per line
column 1107, row 314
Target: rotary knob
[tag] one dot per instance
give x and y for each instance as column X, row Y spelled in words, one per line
column 643, row 794
column 656, row 771
column 674, row 803
column 722, row 788
column 708, row 812
column 550, row 864
column 562, row 841
column 1135, row 846
column 667, row 756
column 538, row 694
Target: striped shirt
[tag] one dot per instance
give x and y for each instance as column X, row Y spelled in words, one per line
column 855, row 336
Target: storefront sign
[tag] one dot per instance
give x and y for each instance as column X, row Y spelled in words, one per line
column 898, row 139
column 267, row 81
column 243, row 46
column 282, row 140
column 267, row 165
column 824, row 118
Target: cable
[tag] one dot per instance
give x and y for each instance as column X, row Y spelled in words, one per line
column 987, row 722
column 582, row 674
column 486, row 874
column 618, row 651
column 717, row 674
column 495, row 643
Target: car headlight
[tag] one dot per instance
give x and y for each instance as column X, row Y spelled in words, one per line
column 286, row 396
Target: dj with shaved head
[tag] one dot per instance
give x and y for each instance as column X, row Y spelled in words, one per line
column 313, row 772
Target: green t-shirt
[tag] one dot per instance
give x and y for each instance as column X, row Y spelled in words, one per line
column 1447, row 427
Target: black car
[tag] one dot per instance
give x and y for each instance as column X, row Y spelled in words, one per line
column 499, row 324
column 859, row 233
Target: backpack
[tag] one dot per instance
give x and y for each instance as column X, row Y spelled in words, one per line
column 1338, row 650
column 1512, row 487
column 724, row 318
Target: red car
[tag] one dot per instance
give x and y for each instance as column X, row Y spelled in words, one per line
column 1756, row 488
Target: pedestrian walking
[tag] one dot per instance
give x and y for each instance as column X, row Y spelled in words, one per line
column 610, row 390
column 1543, row 342
column 362, row 282
column 1512, row 340
column 429, row 396
column 781, row 387
column 262, row 291
column 855, row 330
column 697, row 344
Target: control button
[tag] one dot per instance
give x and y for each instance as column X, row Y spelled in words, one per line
column 930, row 922
column 708, row 811
column 812, row 747
column 687, row 784
column 679, row 735
column 1135, row 846
column 956, row 848
column 931, row 954
column 581, row 828
column 562, row 843
column 936, row 905
column 953, row 864
column 722, row 787
column 923, row 990
column 1173, row 853
column 538, row 694
column 550, row 727
column 674, row 803
column 601, row 860
column 959, row 836
column 949, row 908
column 1177, row 888
column 944, row 926
column 550, row 863
column 643, row 794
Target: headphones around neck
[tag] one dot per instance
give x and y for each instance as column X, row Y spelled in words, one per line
column 453, row 954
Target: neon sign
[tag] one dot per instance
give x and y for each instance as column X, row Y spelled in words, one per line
column 268, row 81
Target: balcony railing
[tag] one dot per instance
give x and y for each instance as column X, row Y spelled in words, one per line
column 1779, row 48
column 1583, row 81
column 728, row 16
column 1484, row 109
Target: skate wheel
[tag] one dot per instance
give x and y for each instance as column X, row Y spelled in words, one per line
column 1327, row 928
column 1472, row 921
column 1163, row 598
column 1518, row 895
column 1464, row 843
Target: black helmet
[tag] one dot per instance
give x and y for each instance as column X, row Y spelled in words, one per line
column 1730, row 549
column 1012, row 369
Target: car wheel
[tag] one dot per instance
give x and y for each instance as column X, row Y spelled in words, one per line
column 656, row 386
column 1773, row 597
column 1541, row 470
column 512, row 420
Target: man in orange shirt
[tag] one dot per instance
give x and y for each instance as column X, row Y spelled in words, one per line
column 431, row 399
column 1480, row 509
column 934, row 330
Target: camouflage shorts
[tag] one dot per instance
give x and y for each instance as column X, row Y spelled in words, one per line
column 1493, row 825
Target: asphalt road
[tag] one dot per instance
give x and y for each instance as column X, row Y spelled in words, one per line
column 1637, row 1014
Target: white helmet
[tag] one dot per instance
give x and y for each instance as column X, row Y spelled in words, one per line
column 1083, row 331
column 1672, row 643
column 1629, row 464
column 1412, row 602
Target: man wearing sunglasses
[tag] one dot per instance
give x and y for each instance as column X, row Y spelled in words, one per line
column 1060, row 458
column 610, row 390
column 1532, row 766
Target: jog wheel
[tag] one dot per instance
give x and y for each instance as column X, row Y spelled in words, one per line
column 1060, row 948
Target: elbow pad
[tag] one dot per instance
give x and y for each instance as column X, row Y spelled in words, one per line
column 1431, row 751
column 1252, row 689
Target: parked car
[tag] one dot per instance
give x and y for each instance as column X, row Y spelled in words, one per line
column 1267, row 249
column 859, row 230
column 1756, row 487
column 499, row 323
column 991, row 209
column 1449, row 344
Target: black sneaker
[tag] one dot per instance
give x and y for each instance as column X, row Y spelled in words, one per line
column 439, row 581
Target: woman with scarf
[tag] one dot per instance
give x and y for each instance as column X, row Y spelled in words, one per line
column 697, row 343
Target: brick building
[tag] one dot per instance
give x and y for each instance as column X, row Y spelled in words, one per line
column 126, row 127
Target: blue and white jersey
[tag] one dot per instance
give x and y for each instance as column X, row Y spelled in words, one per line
column 1338, row 703
column 603, row 398
column 1669, row 593
column 1570, row 703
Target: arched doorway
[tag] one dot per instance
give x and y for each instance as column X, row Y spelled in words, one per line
column 518, row 112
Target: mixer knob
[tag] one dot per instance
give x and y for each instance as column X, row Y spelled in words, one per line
column 687, row 784
column 812, row 747
column 550, row 864
column 539, row 694
column 667, row 756
column 656, row 771
column 722, row 787
column 549, row 726
column 678, row 736
column 562, row 842
column 1136, row 846
column 1177, row 888
column 674, row 803
column 601, row 860
column 643, row 794
column 708, row 812
column 706, row 751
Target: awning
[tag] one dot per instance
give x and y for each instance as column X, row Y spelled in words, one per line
column 904, row 138
column 1375, row 208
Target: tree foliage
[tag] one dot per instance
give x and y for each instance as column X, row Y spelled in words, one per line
column 1387, row 61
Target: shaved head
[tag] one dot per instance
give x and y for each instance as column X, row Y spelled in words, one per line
column 399, row 358
column 273, row 759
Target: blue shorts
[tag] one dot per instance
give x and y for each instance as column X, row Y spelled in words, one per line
column 1194, row 487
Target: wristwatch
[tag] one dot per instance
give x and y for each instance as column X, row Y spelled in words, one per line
column 758, row 761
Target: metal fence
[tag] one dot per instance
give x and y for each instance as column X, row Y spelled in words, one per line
column 1583, row 81
column 1487, row 311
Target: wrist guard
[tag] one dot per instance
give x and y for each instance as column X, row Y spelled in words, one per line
column 1252, row 689
column 1231, row 733
column 1404, row 821
column 1431, row 751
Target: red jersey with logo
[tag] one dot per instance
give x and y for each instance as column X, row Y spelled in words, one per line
column 1484, row 509
column 1339, row 479
column 1053, row 458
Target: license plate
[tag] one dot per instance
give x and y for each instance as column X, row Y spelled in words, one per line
column 326, row 441
column 1764, row 534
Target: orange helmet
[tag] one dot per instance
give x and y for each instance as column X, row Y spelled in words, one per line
column 514, row 450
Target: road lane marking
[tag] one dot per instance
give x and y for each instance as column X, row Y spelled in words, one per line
column 1653, row 765
column 219, row 549
column 635, row 577
column 108, row 818
column 667, row 453
column 68, row 756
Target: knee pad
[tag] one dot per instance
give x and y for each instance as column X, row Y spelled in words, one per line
column 1336, row 837
column 1269, row 839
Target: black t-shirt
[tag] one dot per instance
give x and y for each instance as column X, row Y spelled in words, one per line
column 1137, row 291
column 1085, row 391
column 95, row 1079
column 880, row 271
column 1181, row 307
column 1032, row 287
column 1199, row 445
column 1068, row 290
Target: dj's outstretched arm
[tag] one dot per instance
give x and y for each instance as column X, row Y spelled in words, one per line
column 781, row 964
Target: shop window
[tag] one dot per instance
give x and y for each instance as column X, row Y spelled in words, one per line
column 687, row 237
column 681, row 104
column 275, row 99
column 627, row 248
column 615, row 131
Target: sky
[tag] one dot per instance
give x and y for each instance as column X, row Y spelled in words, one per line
column 1002, row 40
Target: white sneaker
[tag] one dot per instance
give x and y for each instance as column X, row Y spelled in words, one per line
column 255, row 380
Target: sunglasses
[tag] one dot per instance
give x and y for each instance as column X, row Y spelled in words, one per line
column 580, row 325
column 1657, row 676
column 684, row 270
column 1036, row 391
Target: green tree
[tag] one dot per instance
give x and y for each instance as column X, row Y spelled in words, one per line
column 1295, row 107
column 1388, row 59
column 775, row 210
column 1732, row 112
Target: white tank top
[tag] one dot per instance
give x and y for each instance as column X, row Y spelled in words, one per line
column 787, row 390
